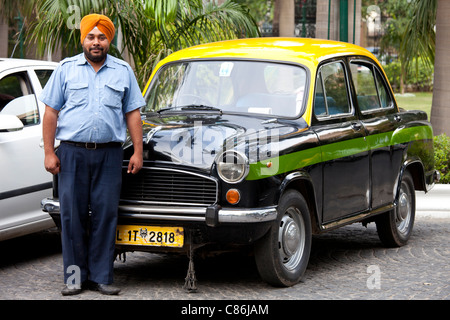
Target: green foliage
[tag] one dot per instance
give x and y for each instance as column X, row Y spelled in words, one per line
column 419, row 77
column 419, row 40
column 151, row 29
column 442, row 157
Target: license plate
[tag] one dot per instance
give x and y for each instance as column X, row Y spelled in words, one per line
column 150, row 236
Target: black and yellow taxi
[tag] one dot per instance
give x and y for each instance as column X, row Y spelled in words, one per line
column 265, row 142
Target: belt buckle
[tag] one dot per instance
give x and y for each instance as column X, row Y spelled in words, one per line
column 89, row 145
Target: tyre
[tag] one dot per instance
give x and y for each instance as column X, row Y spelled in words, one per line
column 282, row 255
column 394, row 227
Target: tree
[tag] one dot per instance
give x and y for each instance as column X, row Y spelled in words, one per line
column 421, row 40
column 440, row 110
column 151, row 29
column 427, row 15
column 394, row 30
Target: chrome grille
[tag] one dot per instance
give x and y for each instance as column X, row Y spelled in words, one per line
column 168, row 186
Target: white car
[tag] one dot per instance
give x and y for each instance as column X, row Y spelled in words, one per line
column 24, row 181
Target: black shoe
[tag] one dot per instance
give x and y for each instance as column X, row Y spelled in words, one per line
column 71, row 289
column 107, row 289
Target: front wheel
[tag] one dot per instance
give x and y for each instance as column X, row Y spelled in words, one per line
column 394, row 227
column 282, row 255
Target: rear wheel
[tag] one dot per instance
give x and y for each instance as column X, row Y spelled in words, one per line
column 394, row 227
column 282, row 255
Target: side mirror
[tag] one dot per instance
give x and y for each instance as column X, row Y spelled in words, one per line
column 9, row 122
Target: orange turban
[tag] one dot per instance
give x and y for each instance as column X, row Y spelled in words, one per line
column 103, row 23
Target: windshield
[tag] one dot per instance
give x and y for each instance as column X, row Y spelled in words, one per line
column 229, row 86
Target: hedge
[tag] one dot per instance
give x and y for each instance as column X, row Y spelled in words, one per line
column 442, row 157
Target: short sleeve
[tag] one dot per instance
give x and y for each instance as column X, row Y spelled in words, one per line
column 133, row 99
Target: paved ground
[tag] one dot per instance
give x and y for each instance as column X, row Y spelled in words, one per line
column 348, row 263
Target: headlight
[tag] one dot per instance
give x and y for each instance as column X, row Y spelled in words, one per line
column 232, row 166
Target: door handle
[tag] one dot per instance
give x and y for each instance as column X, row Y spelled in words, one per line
column 356, row 126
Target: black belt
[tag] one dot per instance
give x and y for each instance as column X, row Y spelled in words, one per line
column 93, row 145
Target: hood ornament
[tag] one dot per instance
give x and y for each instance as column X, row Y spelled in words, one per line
column 151, row 133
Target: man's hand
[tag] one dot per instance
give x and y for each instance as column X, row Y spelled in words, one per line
column 51, row 161
column 52, row 164
column 134, row 124
column 135, row 164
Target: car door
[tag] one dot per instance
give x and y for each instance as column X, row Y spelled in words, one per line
column 24, row 181
column 379, row 116
column 344, row 149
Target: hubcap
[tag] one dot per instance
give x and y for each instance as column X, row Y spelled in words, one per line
column 291, row 238
column 403, row 216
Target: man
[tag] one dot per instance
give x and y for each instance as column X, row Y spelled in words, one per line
column 91, row 99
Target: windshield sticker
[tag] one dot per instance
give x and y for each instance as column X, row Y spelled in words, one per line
column 225, row 69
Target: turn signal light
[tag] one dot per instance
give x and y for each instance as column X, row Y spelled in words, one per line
column 233, row 196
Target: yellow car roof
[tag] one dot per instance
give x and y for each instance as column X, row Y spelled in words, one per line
column 289, row 49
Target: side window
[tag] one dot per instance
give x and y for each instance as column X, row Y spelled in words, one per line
column 331, row 91
column 371, row 92
column 383, row 93
column 17, row 98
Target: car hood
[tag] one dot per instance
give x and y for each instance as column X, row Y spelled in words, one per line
column 195, row 140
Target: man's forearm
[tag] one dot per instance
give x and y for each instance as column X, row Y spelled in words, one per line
column 49, row 124
column 134, row 124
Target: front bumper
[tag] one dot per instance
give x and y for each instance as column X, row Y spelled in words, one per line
column 212, row 216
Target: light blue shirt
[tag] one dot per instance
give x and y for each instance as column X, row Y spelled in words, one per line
column 92, row 105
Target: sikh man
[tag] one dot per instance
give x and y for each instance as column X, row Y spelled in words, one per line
column 91, row 99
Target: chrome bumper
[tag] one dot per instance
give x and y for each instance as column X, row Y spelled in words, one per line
column 212, row 216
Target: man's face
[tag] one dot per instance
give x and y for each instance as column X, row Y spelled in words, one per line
column 95, row 46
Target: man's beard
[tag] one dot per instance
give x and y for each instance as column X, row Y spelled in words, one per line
column 95, row 58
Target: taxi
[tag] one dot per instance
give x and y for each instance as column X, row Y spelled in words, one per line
column 264, row 143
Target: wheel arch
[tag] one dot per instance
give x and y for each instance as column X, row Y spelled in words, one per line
column 302, row 182
column 416, row 168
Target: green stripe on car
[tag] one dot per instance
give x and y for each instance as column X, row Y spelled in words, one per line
column 300, row 159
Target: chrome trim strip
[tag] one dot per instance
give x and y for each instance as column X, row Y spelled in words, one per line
column 225, row 215
column 247, row 215
column 356, row 218
column 162, row 217
column 161, row 203
column 163, row 210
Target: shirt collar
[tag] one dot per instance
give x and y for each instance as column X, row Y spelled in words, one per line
column 108, row 61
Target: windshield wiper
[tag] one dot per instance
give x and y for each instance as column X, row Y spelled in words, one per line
column 166, row 109
column 200, row 107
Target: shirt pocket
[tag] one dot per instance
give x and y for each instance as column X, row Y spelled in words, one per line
column 78, row 94
column 113, row 96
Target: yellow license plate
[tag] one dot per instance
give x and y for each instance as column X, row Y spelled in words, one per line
column 150, row 236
